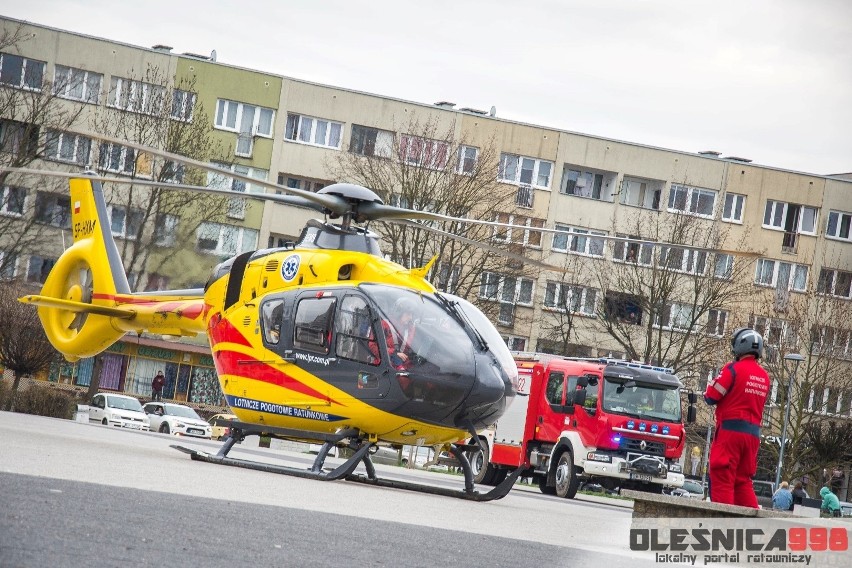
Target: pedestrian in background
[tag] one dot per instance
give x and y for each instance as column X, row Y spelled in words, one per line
column 783, row 498
column 157, row 386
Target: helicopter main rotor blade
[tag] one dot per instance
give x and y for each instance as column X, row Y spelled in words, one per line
column 480, row 244
column 381, row 212
column 284, row 199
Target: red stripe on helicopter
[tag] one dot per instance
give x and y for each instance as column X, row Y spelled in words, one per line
column 190, row 308
column 223, row 331
column 238, row 364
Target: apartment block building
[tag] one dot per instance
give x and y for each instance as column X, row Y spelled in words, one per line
column 740, row 244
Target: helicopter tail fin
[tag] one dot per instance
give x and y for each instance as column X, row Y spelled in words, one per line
column 78, row 299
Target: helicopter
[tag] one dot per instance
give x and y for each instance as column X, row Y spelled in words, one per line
column 300, row 335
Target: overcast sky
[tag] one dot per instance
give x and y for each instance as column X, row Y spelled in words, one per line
column 768, row 80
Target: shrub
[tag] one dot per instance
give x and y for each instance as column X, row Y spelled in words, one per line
column 45, row 401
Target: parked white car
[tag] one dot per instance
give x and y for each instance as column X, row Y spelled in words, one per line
column 177, row 419
column 118, row 410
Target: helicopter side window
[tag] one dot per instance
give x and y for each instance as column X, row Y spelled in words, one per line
column 313, row 324
column 271, row 313
column 356, row 339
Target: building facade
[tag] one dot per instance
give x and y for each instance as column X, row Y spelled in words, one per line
column 747, row 245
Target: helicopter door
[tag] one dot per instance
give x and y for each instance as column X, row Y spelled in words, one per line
column 357, row 348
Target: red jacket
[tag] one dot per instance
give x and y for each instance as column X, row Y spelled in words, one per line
column 739, row 392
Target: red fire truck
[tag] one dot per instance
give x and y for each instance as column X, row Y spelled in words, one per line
column 617, row 423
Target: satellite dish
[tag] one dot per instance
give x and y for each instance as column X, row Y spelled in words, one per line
column 493, row 111
column 213, row 56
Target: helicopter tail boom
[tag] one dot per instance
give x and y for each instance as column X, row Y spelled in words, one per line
column 85, row 303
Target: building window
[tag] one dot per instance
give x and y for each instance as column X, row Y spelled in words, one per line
column 136, row 96
column 683, row 260
column 831, row 341
column 53, row 209
column 183, row 103
column 368, row 141
column 675, row 316
column 634, row 252
column 314, row 131
column 423, row 152
column 578, row 241
column 694, row 200
column 733, row 208
column 18, row 138
column 446, row 277
column 524, row 170
column 723, row 266
column 716, row 320
column 835, row 283
column 124, row 225
column 775, row 332
column 17, row 71
column 12, row 200
column 246, row 120
column 519, row 234
column 781, row 275
column 165, row 231
column 790, row 217
column 77, row 84
column 509, row 291
column 468, row 156
column 38, row 268
column 515, row 343
column 622, row 308
column 568, row 297
column 8, row 265
column 641, row 193
column 236, row 206
column 67, row 147
column 123, row 160
column 225, row 240
column 838, row 225
column 299, row 183
column 581, row 183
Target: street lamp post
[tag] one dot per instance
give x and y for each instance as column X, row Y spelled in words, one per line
column 796, row 358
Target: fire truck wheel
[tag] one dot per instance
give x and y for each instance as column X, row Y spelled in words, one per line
column 483, row 471
column 544, row 487
column 566, row 478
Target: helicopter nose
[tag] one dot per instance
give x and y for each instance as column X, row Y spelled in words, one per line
column 488, row 397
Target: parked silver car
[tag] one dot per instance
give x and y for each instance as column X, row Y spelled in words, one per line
column 177, row 419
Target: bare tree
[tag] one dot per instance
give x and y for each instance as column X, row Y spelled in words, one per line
column 24, row 348
column 31, row 110
column 672, row 304
column 150, row 111
column 815, row 324
column 429, row 169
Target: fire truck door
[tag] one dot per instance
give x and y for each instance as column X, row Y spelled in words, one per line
column 553, row 411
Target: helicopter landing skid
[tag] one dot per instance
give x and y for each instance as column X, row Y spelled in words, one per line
column 345, row 471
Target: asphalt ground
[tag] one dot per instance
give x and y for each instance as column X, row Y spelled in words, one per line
column 87, row 495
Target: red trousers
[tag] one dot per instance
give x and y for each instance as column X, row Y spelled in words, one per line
column 733, row 462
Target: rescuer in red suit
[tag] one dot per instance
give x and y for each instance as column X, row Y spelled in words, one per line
column 739, row 393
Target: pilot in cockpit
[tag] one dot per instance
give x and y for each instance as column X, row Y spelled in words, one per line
column 399, row 332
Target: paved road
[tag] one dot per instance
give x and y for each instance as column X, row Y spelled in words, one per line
column 87, row 495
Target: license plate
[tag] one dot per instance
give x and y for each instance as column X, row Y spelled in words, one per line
column 195, row 431
column 640, row 476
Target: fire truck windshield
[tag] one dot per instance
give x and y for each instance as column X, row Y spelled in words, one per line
column 641, row 401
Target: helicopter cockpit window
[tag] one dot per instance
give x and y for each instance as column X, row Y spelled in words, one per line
column 356, row 338
column 313, row 324
column 271, row 319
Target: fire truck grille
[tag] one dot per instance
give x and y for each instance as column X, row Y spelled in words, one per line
column 650, row 448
